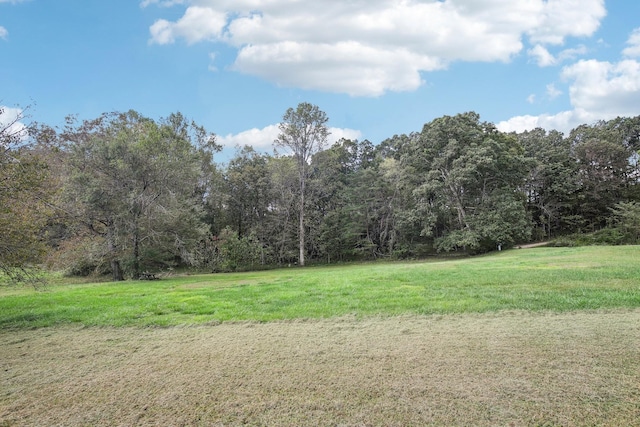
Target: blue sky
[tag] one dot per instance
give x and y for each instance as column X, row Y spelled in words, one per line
column 376, row 67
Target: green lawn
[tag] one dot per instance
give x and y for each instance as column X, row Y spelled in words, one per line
column 556, row 279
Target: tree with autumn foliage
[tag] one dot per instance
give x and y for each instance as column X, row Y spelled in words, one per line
column 24, row 196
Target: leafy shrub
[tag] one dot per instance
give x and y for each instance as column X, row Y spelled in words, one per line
column 229, row 252
column 81, row 256
column 609, row 236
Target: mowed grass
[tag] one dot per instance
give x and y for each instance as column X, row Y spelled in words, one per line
column 539, row 279
column 531, row 337
column 494, row 369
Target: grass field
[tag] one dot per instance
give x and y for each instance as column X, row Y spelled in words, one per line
column 557, row 279
column 540, row 337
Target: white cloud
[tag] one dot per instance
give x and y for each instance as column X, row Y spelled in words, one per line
column 345, row 67
column 560, row 19
column 9, row 124
column 633, row 49
column 259, row 139
column 605, row 89
column 599, row 90
column 570, row 54
column 542, row 56
column 262, row 139
column 563, row 122
column 3, row 31
column 161, row 3
column 366, row 48
column 552, row 91
column 339, row 133
column 197, row 24
column 212, row 58
column 531, row 98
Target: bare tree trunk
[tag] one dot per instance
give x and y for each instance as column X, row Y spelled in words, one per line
column 116, row 269
column 301, row 225
column 136, row 255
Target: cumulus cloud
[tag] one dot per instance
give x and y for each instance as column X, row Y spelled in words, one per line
column 370, row 47
column 544, row 58
column 363, row 71
column 564, row 122
column 559, row 19
column 605, row 89
column 197, row 24
column 570, row 54
column 633, row 44
column 262, row 139
column 343, row 133
column 599, row 90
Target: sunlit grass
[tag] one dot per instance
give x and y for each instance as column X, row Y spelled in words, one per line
column 556, row 279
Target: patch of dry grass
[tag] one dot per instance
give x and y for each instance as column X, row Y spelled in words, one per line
column 519, row 369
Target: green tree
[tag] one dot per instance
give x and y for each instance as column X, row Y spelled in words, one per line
column 469, row 184
column 374, row 195
column 233, row 253
column 604, row 170
column 280, row 226
column 552, row 184
column 627, row 220
column 137, row 185
column 304, row 132
column 356, row 196
column 24, row 200
column 323, row 198
column 248, row 187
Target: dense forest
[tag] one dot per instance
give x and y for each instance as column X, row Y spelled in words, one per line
column 123, row 194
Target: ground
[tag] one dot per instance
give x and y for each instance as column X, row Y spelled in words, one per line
column 507, row 368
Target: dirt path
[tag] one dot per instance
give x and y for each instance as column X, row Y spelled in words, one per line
column 532, row 245
column 502, row 369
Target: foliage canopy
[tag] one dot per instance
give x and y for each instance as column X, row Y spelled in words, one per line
column 123, row 194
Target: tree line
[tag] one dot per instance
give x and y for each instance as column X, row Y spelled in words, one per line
column 124, row 194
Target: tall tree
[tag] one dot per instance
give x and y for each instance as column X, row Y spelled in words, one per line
column 304, row 132
column 603, row 152
column 24, row 196
column 332, row 172
column 470, row 184
column 552, row 183
column 136, row 184
column 248, row 191
column 280, row 224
